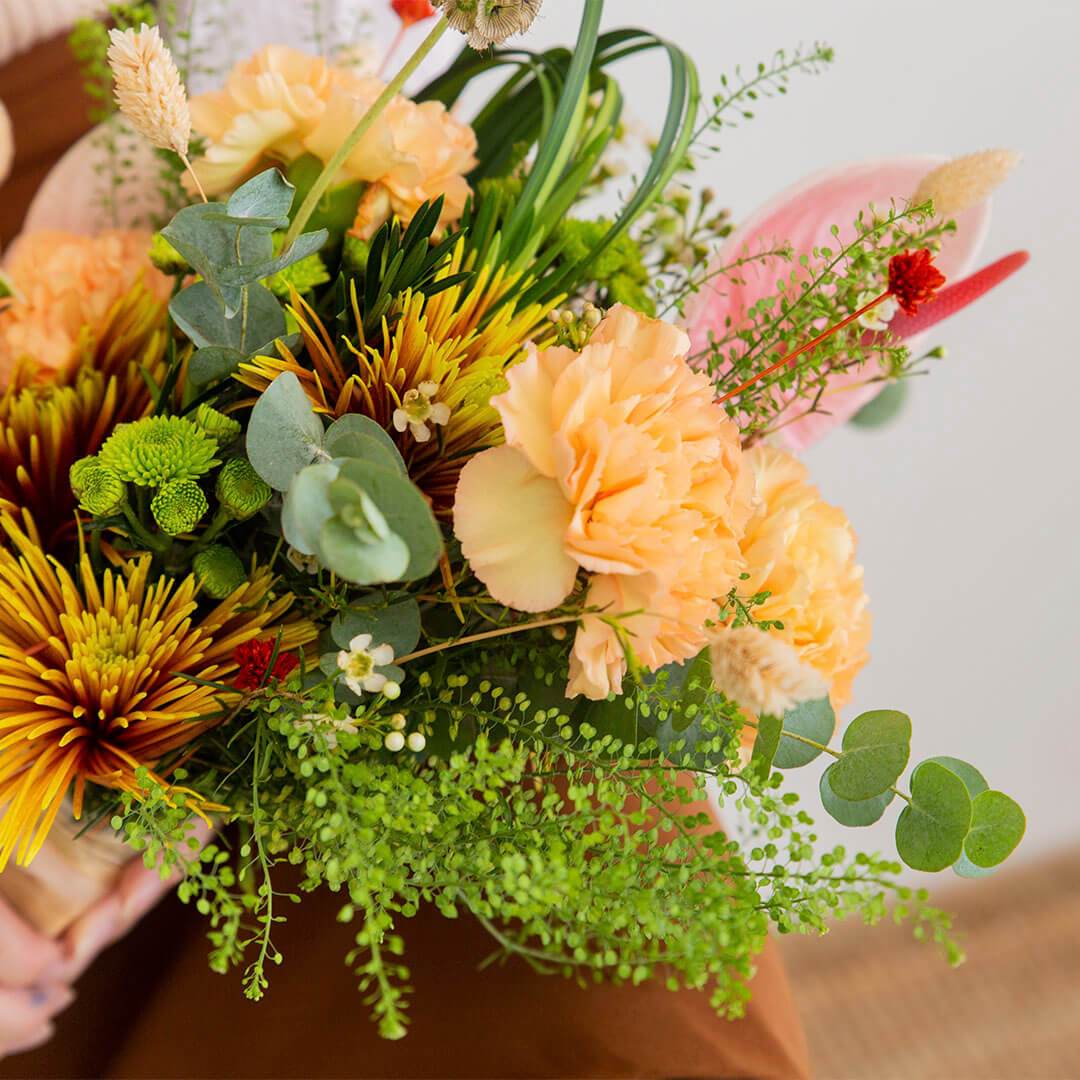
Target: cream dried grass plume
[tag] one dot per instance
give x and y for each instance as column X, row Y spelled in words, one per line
column 761, row 673
column 149, row 91
column 966, row 181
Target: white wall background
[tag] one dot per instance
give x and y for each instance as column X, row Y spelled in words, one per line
column 967, row 508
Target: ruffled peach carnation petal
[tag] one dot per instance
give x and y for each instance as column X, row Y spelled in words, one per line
column 374, row 155
column 525, row 408
column 511, row 521
column 668, row 628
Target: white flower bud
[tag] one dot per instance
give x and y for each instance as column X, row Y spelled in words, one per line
column 394, row 742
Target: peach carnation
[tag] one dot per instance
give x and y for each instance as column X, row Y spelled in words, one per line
column 802, row 550
column 283, row 103
column 617, row 462
column 66, row 283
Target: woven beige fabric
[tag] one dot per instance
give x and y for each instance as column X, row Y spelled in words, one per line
column 878, row 1006
column 23, row 23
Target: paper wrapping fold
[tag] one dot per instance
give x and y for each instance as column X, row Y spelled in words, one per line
column 67, row 877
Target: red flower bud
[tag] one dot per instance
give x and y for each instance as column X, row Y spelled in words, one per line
column 914, row 279
column 253, row 658
column 412, row 11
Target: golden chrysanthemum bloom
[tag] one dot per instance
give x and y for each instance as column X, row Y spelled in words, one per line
column 93, row 675
column 459, row 339
column 46, row 426
column 802, row 551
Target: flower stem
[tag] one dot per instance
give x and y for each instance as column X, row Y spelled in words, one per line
column 330, row 170
column 471, row 639
column 193, row 175
column 813, row 343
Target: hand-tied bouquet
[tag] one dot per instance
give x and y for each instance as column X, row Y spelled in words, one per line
column 386, row 519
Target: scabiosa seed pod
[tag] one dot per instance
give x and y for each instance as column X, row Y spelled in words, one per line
column 241, row 491
column 152, row 451
column 489, row 22
column 178, row 507
column 219, row 570
column 97, row 487
column 221, row 428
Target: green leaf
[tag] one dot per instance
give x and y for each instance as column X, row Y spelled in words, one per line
column 884, row 408
column 397, row 626
column 406, row 511
column 360, row 561
column 212, row 243
column 876, row 748
column 357, row 436
column 212, row 363
column 930, row 831
column 997, row 826
column 201, row 315
column 307, row 506
column 812, row 720
column 766, row 743
column 965, row 868
column 264, row 200
column 284, row 433
column 974, row 780
column 247, row 274
column 852, row 814
column 336, row 210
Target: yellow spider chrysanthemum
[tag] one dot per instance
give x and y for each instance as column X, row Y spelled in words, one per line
column 45, row 426
column 460, row 340
column 94, row 675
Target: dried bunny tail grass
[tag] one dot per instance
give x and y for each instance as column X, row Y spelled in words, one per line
column 761, row 673
column 149, row 91
column 965, row 181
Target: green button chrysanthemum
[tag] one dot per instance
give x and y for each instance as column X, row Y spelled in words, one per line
column 219, row 570
column 241, row 491
column 303, row 276
column 166, row 258
column 153, row 451
column 221, row 428
column 98, row 488
column 178, row 506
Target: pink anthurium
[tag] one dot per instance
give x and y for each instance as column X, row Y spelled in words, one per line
column 803, row 216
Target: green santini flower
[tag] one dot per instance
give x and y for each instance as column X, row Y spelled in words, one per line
column 219, row 570
column 241, row 491
column 158, row 449
column 179, row 506
column 221, row 428
column 98, row 488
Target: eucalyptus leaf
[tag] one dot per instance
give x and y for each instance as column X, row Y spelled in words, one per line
column 353, row 434
column 965, row 868
column 974, row 780
column 931, row 829
column 876, row 747
column 812, row 720
column 997, row 826
column 766, row 744
column 248, row 273
column 361, row 562
column 853, row 814
column 213, row 363
column 307, row 506
column 212, row 243
column 406, row 511
column 284, row 432
column 397, row 625
column 201, row 316
column 264, row 199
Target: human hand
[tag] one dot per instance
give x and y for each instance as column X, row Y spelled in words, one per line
column 34, row 986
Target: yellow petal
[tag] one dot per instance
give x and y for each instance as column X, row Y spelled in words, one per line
column 511, row 522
